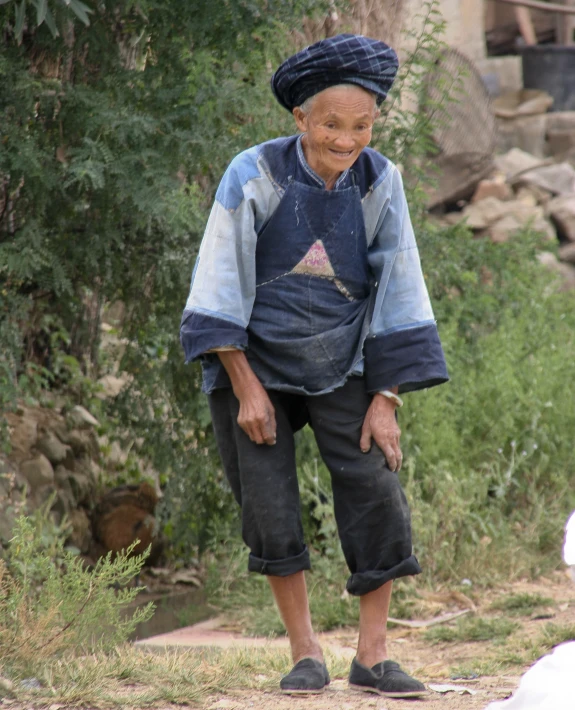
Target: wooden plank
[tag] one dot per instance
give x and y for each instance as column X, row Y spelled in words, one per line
column 526, row 28
column 565, row 26
column 545, row 6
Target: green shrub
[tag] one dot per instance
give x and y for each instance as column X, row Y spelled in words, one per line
column 51, row 605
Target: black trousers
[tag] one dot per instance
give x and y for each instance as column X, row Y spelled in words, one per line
column 370, row 507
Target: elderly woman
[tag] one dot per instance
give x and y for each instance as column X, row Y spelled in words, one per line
column 308, row 305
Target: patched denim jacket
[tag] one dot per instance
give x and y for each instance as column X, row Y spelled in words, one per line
column 267, row 251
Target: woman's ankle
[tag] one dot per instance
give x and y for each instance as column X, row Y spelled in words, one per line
column 307, row 650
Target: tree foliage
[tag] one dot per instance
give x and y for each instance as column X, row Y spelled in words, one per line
column 116, row 119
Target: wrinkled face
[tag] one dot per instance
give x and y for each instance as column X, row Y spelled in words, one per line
column 337, row 128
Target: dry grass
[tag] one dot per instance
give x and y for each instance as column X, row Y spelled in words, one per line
column 138, row 678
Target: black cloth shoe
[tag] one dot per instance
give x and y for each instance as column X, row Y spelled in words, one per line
column 385, row 678
column 307, row 676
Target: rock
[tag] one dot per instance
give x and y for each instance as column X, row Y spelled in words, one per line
column 544, row 227
column 23, row 434
column 559, row 179
column 562, row 213
column 459, row 176
column 186, row 576
column 514, row 162
column 83, row 487
column 81, row 535
column 80, row 418
column 509, row 225
column 504, row 228
column 525, row 102
column 561, row 121
column 533, row 195
column 559, row 143
column 64, row 504
column 496, row 187
column 565, row 273
column 505, row 218
column 112, row 385
column 79, row 484
column 38, row 472
column 88, row 466
column 83, row 442
column 567, row 253
column 7, row 520
column 526, row 133
column 480, row 215
column 52, row 448
column 117, row 457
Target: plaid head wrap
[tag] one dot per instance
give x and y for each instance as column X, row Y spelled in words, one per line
column 343, row 59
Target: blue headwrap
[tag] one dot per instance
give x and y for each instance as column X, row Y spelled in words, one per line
column 343, row 59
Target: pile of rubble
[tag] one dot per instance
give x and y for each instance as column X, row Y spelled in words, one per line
column 57, row 460
column 526, row 191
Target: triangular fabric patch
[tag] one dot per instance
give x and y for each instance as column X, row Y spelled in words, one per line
column 316, row 262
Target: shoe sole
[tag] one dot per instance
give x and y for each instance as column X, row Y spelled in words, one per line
column 319, row 691
column 409, row 694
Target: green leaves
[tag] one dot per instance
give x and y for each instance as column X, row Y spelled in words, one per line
column 20, row 11
column 80, row 10
column 46, row 13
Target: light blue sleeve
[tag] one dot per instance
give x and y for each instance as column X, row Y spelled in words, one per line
column 402, row 300
column 223, row 288
column 402, row 347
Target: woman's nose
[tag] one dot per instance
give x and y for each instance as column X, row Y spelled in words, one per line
column 344, row 140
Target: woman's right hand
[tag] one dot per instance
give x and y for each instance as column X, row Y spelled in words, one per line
column 257, row 415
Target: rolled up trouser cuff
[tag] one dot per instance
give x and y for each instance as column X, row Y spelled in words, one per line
column 364, row 582
column 280, row 568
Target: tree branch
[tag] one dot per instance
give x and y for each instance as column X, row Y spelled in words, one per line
column 545, row 6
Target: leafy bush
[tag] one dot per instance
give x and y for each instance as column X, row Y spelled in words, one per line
column 51, row 605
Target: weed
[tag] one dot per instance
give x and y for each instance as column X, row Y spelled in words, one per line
column 523, row 604
column 472, row 629
column 553, row 634
column 51, row 605
column 185, row 677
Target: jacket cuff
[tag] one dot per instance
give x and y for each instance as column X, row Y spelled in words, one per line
column 200, row 333
column 411, row 359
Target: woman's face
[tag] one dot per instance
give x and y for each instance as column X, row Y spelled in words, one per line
column 337, row 128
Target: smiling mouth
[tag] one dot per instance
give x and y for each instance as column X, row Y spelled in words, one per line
column 341, row 154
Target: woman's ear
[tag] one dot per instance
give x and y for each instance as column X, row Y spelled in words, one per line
column 300, row 119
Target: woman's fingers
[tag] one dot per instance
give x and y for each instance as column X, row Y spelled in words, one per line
column 259, row 423
column 365, row 441
column 390, row 457
column 268, row 427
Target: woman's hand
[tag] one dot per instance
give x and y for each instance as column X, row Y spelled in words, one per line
column 381, row 425
column 257, row 415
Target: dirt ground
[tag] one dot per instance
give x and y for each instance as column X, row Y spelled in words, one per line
column 434, row 663
column 431, row 663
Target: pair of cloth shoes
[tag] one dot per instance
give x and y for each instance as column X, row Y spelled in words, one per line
column 386, row 678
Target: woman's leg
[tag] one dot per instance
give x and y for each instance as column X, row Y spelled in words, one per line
column 373, row 612
column 264, row 482
column 370, row 508
column 290, row 594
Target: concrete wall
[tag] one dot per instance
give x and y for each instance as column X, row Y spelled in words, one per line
column 465, row 27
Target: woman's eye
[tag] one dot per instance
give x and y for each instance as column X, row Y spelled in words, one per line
column 330, row 125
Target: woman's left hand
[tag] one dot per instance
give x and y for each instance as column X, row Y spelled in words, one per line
column 381, row 425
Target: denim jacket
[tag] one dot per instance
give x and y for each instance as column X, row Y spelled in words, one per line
column 314, row 285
